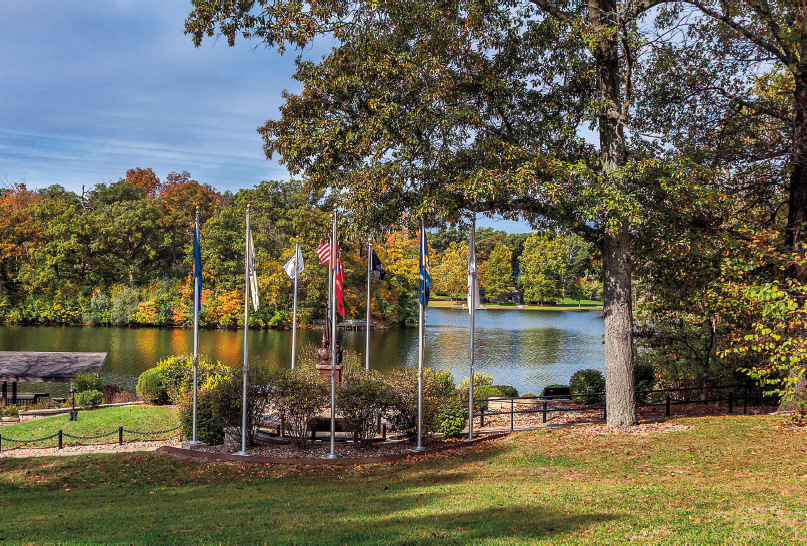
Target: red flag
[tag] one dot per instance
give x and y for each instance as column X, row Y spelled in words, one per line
column 339, row 282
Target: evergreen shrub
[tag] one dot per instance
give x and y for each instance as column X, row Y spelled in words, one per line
column 453, row 417
column 151, row 387
column 209, row 428
column 507, row 390
column 177, row 370
column 587, row 381
column 228, row 396
column 90, row 398
column 644, row 378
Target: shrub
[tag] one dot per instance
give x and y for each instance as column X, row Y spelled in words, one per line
column 482, row 393
column 481, row 379
column 177, row 370
column 587, row 381
column 109, row 393
column 122, row 397
column 209, row 428
column 644, row 378
column 529, row 395
column 361, row 400
column 404, row 384
column 88, row 399
column 151, row 387
column 228, row 399
column 87, row 382
column 507, row 390
column 297, row 396
column 453, row 417
column 10, row 411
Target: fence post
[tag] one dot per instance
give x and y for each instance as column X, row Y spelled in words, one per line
column 1, row 442
column 120, row 435
column 605, row 411
column 511, row 415
column 667, row 409
column 60, row 438
column 731, row 402
column 482, row 417
column 745, row 400
column 544, row 411
column 384, row 431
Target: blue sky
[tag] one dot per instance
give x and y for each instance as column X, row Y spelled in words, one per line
column 94, row 88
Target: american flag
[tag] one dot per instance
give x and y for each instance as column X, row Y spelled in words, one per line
column 324, row 252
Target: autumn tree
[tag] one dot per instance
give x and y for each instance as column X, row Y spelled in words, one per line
column 145, row 179
column 451, row 275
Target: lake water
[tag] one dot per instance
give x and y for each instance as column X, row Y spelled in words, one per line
column 526, row 349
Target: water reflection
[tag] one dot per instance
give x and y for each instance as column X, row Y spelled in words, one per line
column 526, row 349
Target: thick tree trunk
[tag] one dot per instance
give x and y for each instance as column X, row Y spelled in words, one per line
column 797, row 199
column 619, row 383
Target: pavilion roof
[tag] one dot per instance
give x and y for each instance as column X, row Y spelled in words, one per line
column 55, row 367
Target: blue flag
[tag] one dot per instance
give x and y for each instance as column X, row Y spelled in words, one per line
column 425, row 279
column 197, row 269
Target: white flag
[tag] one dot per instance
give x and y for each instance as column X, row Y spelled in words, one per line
column 473, row 278
column 253, row 275
column 295, row 265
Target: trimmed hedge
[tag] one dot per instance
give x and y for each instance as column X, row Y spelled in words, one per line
column 151, row 387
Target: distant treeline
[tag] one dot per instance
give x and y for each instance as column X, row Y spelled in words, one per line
column 120, row 254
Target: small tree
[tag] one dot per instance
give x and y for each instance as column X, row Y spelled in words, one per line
column 227, row 398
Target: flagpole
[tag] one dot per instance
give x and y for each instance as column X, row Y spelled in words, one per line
column 472, row 305
column 332, row 269
column 197, row 281
column 246, row 348
column 294, row 314
column 367, row 325
column 420, row 340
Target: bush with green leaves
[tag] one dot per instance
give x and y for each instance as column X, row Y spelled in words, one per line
column 151, row 387
column 481, row 379
column 9, row 411
column 482, row 393
column 209, row 428
column 644, row 379
column 177, row 370
column 88, row 399
column 453, row 417
column 228, row 397
column 404, row 410
column 507, row 390
column 87, row 382
column 296, row 397
column 587, row 381
column 361, row 400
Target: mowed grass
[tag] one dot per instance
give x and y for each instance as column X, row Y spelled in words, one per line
column 727, row 479
column 93, row 423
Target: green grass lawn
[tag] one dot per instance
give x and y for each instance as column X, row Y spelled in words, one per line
column 94, row 422
column 727, row 479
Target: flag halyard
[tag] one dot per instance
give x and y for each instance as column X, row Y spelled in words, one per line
column 253, row 274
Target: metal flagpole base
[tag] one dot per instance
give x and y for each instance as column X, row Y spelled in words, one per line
column 419, row 449
column 331, row 456
column 195, row 443
column 244, row 453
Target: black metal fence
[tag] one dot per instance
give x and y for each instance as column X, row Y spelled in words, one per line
column 61, row 435
column 734, row 396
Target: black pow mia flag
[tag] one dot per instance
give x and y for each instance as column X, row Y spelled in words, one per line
column 376, row 267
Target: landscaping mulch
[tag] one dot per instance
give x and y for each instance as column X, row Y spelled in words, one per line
column 587, row 421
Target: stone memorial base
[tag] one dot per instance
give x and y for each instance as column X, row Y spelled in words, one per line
column 325, row 372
